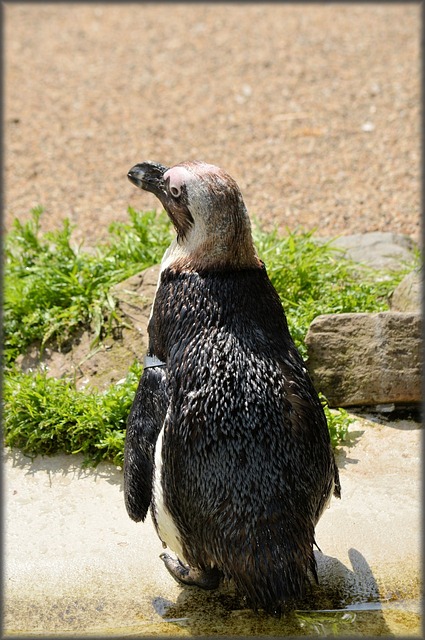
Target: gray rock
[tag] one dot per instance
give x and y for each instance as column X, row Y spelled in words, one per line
column 379, row 250
column 366, row 358
column 408, row 295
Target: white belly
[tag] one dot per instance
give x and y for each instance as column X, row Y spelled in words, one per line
column 167, row 530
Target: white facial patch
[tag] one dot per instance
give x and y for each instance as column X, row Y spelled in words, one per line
column 178, row 176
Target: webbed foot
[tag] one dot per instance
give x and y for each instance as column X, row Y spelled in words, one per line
column 206, row 579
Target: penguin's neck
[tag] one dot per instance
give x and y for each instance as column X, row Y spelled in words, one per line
column 197, row 253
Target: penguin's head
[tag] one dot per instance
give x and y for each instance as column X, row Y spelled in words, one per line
column 207, row 210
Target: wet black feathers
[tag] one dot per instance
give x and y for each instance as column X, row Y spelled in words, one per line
column 143, row 426
column 248, row 460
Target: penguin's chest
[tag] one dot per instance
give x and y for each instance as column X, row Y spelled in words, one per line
column 166, row 527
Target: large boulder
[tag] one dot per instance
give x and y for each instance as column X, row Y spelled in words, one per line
column 360, row 359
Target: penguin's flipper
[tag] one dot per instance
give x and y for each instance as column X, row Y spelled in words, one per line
column 188, row 576
column 144, row 423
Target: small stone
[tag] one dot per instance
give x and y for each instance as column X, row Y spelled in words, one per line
column 408, row 295
column 368, row 126
column 375, row 88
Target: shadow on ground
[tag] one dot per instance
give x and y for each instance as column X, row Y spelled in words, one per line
column 348, row 604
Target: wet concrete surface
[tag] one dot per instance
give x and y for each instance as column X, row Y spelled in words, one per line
column 76, row 565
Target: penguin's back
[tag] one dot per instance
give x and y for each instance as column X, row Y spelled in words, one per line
column 247, row 465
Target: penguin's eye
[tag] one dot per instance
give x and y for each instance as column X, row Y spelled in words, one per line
column 175, row 180
column 175, row 190
column 173, row 187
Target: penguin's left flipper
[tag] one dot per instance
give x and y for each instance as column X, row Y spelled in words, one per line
column 206, row 579
column 144, row 424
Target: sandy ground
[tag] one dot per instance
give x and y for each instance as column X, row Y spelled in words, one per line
column 313, row 108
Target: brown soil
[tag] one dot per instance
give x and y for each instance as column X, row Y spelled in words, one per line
column 313, row 108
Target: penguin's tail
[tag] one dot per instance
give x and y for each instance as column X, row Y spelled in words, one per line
column 274, row 576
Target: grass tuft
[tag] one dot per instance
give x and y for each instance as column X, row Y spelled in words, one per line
column 48, row 415
column 338, row 422
column 53, row 288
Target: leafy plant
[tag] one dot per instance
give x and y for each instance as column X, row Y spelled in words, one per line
column 53, row 288
column 47, row 415
column 338, row 422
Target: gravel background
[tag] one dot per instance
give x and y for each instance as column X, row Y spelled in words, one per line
column 313, row 108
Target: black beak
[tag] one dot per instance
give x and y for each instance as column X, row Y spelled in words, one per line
column 148, row 176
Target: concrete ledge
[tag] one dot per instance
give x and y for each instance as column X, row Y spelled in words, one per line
column 75, row 564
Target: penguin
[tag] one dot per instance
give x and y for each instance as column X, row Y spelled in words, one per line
column 227, row 442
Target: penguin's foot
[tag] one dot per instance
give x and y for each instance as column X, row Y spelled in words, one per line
column 206, row 579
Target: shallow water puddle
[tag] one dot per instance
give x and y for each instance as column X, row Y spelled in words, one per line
column 363, row 619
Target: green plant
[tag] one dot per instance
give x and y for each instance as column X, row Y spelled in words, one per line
column 48, row 415
column 53, row 288
column 338, row 422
